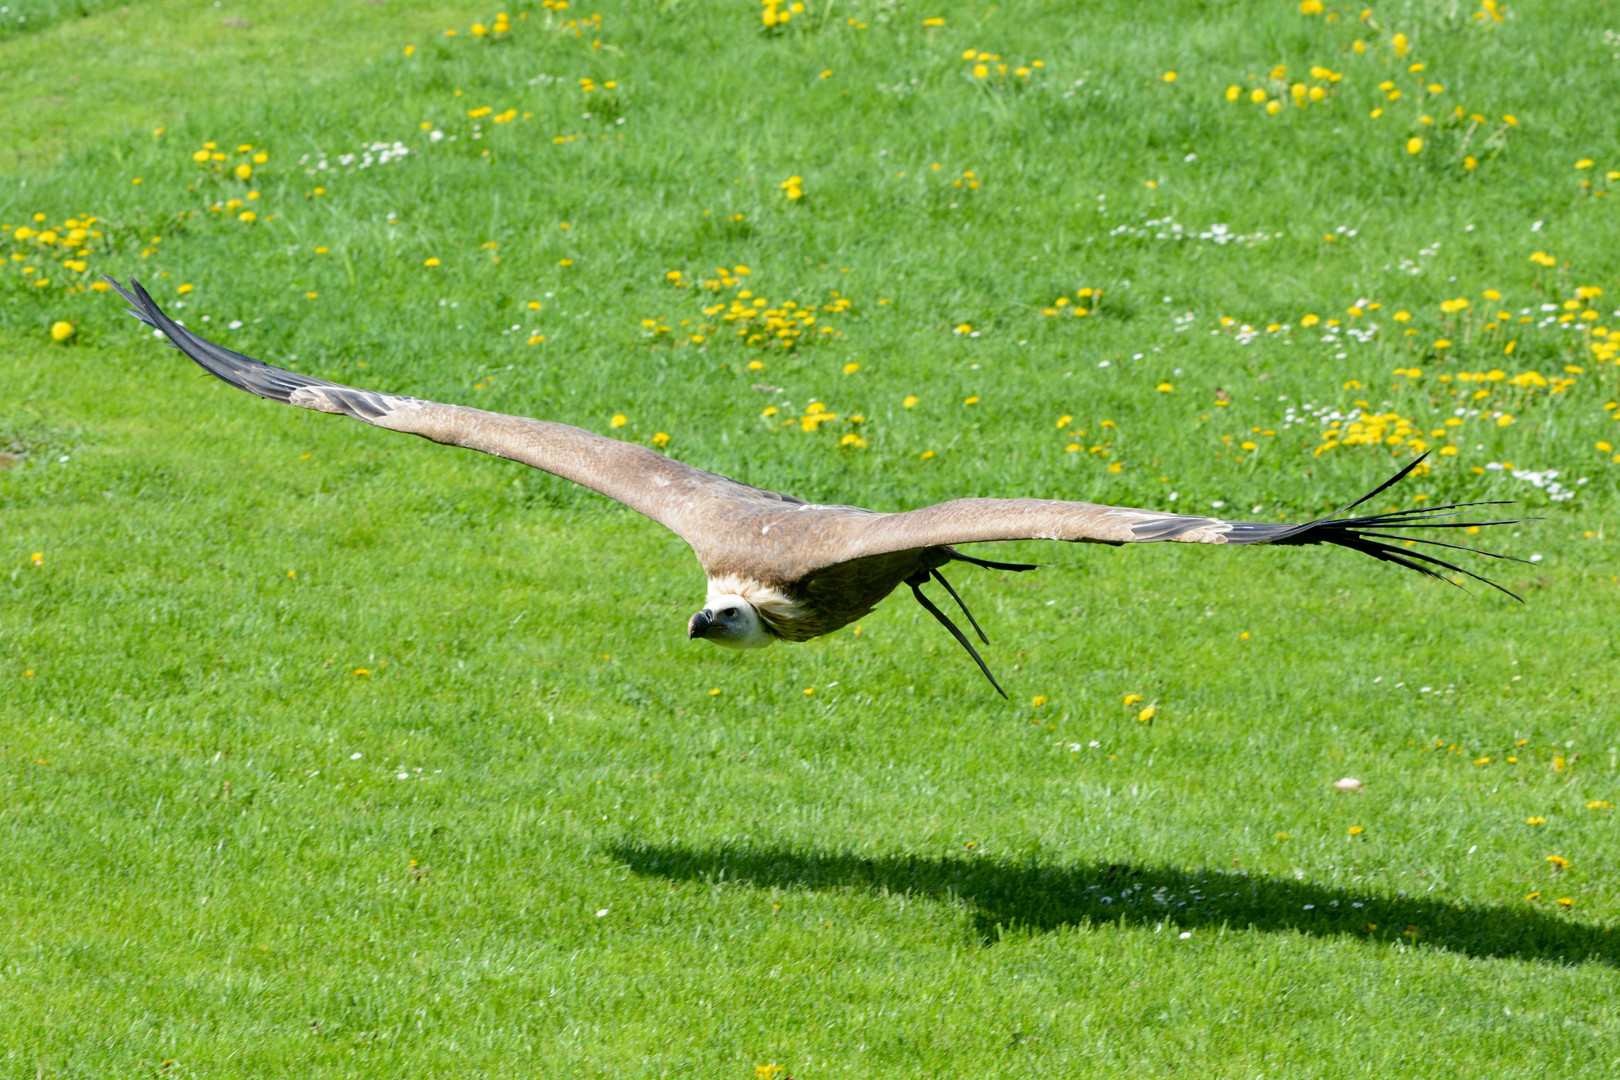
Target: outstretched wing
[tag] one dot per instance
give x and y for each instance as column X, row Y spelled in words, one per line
column 964, row 521
column 691, row 503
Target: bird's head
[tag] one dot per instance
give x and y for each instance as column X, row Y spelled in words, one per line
column 730, row 620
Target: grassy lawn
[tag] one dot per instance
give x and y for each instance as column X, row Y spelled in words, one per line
column 330, row 752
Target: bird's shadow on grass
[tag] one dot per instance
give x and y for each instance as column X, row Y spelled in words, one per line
column 1009, row 896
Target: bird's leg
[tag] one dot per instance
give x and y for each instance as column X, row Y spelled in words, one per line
column 916, row 581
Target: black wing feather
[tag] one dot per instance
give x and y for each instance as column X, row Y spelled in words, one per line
column 1363, row 533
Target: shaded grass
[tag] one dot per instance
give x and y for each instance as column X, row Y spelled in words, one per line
column 1011, row 897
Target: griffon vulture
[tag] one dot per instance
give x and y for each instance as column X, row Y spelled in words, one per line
column 779, row 567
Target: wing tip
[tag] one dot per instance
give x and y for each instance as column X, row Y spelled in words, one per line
column 1359, row 533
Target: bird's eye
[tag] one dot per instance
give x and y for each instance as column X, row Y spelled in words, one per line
column 729, row 613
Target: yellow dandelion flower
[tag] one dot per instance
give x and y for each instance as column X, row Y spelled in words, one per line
column 619, row 420
column 431, row 261
column 1357, row 830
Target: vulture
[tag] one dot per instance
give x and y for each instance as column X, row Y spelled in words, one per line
column 782, row 568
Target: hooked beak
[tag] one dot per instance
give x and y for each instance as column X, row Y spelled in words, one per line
column 698, row 626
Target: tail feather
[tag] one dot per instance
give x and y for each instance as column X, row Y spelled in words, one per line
column 1016, row 567
column 945, row 621
column 959, row 603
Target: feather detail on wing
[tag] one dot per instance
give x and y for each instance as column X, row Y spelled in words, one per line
column 681, row 498
column 964, row 521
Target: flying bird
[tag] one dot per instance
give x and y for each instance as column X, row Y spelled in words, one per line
column 782, row 568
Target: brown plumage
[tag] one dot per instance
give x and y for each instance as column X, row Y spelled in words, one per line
column 779, row 567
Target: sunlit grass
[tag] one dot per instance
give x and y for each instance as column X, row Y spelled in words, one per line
column 326, row 749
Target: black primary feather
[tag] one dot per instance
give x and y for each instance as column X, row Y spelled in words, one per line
column 242, row 372
column 1364, row 533
column 246, row 373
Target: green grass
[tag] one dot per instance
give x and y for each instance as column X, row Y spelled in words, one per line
column 531, row 841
